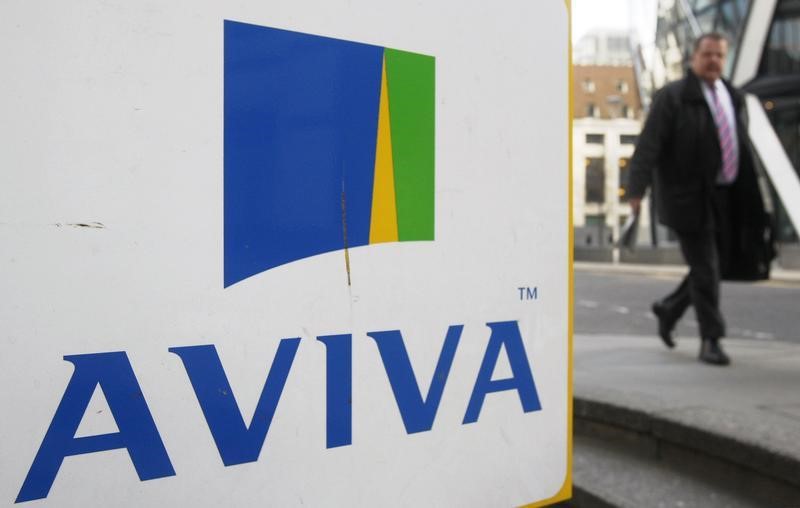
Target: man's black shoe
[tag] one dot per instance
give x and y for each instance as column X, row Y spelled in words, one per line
column 664, row 327
column 711, row 352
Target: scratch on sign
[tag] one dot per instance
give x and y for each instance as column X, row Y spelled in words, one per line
column 90, row 225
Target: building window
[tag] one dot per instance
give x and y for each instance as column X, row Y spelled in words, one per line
column 595, row 139
column 588, row 85
column 627, row 111
column 595, row 230
column 592, row 111
column 618, row 44
column 623, row 179
column 595, row 180
column 628, row 139
column 622, row 86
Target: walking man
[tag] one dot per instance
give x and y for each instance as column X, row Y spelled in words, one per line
column 695, row 151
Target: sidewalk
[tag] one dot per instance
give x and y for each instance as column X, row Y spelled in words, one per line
column 746, row 415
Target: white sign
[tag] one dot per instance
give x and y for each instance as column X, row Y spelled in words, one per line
column 307, row 253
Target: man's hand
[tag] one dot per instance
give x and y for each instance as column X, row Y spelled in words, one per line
column 636, row 204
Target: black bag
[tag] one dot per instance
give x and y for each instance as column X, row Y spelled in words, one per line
column 752, row 250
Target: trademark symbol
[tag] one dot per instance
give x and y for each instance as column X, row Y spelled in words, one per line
column 528, row 293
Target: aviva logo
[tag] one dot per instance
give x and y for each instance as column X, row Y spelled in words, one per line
column 329, row 144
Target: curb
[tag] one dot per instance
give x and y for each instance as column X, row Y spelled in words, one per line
column 767, row 473
column 776, row 274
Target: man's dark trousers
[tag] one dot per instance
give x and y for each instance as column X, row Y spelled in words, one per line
column 701, row 286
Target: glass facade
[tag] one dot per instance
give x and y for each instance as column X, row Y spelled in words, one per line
column 782, row 51
column 778, row 86
column 675, row 32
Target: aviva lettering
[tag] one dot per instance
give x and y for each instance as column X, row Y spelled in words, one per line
column 238, row 442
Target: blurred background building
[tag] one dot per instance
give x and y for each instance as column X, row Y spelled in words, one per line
column 608, row 114
column 763, row 60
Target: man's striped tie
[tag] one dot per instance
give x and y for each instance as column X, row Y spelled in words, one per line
column 730, row 160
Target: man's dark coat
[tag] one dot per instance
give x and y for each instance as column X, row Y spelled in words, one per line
column 678, row 152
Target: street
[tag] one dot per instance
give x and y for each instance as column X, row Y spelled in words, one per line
column 617, row 303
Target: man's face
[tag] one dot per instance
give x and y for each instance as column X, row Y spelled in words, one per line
column 709, row 59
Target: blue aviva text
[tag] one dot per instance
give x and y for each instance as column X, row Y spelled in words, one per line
column 239, row 443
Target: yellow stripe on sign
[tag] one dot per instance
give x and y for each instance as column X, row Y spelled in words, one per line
column 383, row 222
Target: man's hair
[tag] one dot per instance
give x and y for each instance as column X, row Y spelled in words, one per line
column 714, row 36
